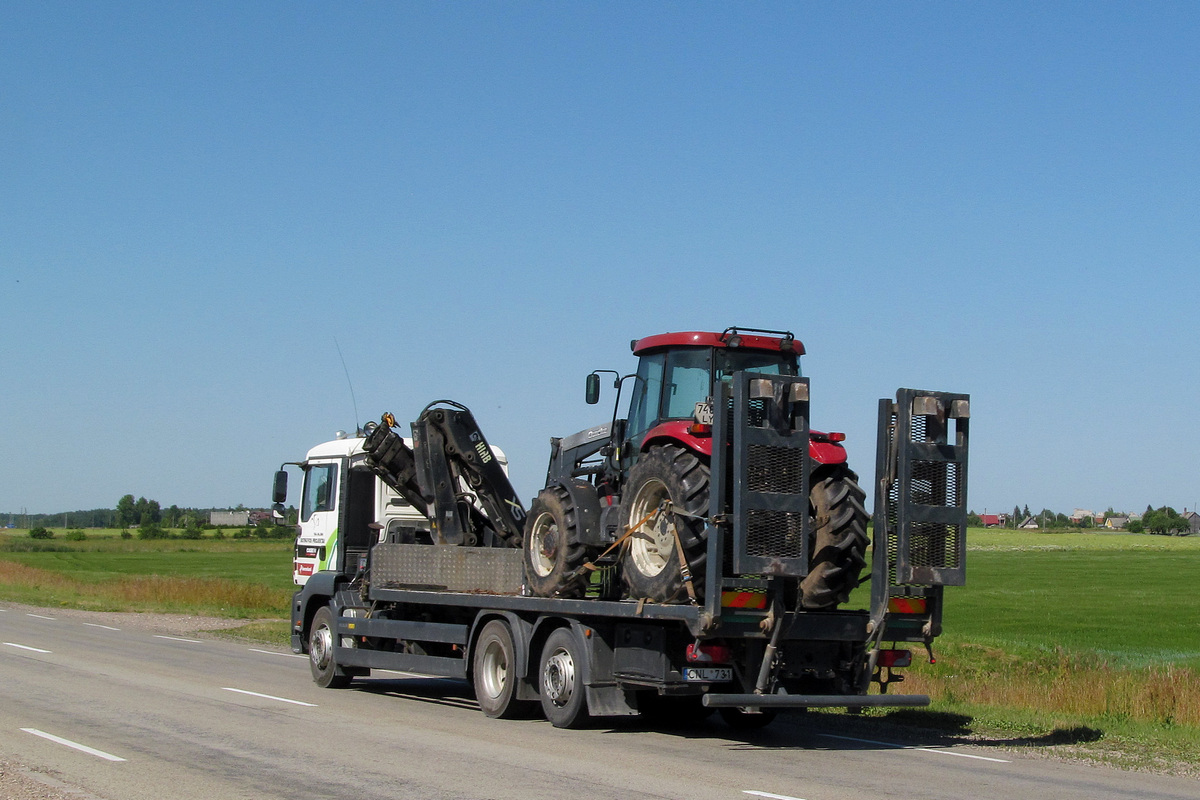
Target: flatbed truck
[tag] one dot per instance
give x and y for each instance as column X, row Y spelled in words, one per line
column 676, row 561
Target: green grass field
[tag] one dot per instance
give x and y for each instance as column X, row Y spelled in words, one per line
column 222, row 577
column 1079, row 639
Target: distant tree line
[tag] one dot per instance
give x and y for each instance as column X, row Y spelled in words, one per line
column 1164, row 520
column 128, row 513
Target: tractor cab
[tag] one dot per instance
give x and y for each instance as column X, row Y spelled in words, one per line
column 678, row 375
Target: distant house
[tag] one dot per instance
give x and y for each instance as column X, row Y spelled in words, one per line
column 1116, row 523
column 1193, row 520
column 229, row 518
column 991, row 520
column 1030, row 523
column 1080, row 514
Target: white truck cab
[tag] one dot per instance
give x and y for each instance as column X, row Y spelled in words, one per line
column 345, row 508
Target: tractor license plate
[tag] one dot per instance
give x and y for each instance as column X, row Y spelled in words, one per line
column 708, row 674
column 703, row 413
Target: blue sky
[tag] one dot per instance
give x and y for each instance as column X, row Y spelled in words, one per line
column 200, row 203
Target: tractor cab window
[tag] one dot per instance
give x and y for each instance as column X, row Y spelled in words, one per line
column 688, row 381
column 647, row 388
column 731, row 361
column 320, row 482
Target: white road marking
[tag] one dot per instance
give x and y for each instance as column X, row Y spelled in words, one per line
column 40, row 616
column 772, row 796
column 177, row 639
column 27, row 647
column 98, row 625
column 273, row 653
column 922, row 749
column 83, row 748
column 269, row 697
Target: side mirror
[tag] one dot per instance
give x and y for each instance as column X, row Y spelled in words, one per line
column 279, row 490
column 593, row 389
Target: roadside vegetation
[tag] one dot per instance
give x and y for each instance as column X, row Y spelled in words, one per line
column 1084, row 641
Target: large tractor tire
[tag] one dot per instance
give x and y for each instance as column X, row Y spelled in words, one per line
column 839, row 540
column 553, row 552
column 650, row 565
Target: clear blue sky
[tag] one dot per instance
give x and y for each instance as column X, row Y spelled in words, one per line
column 485, row 201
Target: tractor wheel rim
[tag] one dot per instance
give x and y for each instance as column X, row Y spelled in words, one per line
column 651, row 546
column 543, row 544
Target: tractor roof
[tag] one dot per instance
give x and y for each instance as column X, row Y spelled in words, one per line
column 730, row 338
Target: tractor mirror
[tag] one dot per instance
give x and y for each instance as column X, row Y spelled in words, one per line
column 593, row 389
column 279, row 491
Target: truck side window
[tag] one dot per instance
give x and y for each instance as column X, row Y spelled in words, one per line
column 320, row 481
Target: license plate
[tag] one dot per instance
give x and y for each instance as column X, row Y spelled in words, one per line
column 708, row 674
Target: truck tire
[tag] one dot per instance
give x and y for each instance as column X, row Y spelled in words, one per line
column 560, row 681
column 553, row 552
column 839, row 540
column 650, row 562
column 322, row 638
column 494, row 672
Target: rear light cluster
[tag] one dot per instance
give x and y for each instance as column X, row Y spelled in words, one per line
column 709, row 653
column 835, row 438
column 894, row 658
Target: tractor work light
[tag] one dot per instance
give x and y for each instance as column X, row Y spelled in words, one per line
column 960, row 409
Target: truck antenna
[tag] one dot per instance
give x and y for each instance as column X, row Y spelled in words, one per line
column 357, row 429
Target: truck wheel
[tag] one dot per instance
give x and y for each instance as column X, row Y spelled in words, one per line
column 840, row 537
column 321, row 640
column 552, row 549
column 650, row 563
column 561, row 682
column 744, row 721
column 494, row 672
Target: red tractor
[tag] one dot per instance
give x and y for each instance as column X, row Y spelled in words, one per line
column 716, row 439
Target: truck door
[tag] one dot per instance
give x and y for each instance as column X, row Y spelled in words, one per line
column 316, row 546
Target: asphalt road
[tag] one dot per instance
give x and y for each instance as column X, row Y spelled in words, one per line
column 124, row 712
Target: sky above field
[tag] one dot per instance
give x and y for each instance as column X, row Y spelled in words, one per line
column 201, row 203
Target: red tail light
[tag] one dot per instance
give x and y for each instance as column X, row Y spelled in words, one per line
column 837, row 437
column 700, row 429
column 708, row 653
column 894, row 658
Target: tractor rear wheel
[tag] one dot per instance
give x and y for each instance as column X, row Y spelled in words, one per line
column 839, row 537
column 553, row 552
column 669, row 484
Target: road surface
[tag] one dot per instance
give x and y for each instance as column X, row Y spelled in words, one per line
column 103, row 709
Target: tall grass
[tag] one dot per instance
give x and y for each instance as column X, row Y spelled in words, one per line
column 1076, row 685
column 205, row 595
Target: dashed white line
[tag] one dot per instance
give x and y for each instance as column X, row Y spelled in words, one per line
column 27, row 647
column 177, row 639
column 772, row 796
column 269, row 697
column 83, row 748
column 98, row 625
column 41, row 616
column 911, row 747
column 273, row 653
